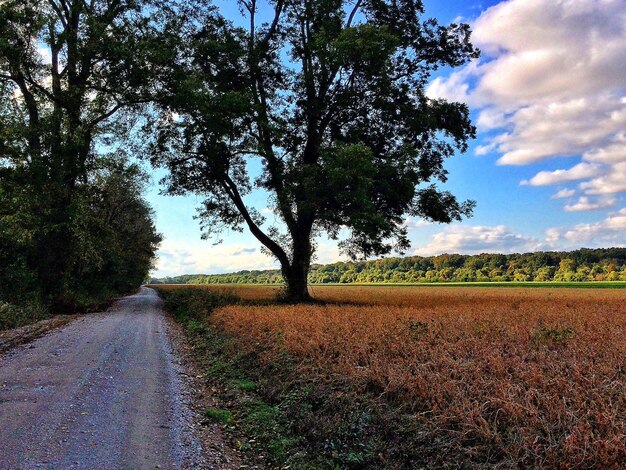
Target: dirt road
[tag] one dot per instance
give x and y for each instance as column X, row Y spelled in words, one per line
column 101, row 393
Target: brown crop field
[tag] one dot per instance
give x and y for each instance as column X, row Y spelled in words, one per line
column 473, row 376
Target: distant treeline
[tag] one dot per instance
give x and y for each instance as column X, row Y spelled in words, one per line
column 606, row 264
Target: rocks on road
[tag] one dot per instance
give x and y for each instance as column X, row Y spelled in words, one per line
column 104, row 392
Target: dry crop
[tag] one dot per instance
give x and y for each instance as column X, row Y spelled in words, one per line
column 510, row 377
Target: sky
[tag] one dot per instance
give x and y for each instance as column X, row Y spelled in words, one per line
column 548, row 166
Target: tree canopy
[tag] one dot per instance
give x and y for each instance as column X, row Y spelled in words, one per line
column 328, row 99
column 73, row 74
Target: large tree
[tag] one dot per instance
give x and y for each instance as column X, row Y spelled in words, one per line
column 329, row 95
column 70, row 70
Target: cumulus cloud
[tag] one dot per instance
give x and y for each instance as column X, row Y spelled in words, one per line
column 615, row 152
column 477, row 239
column 455, row 87
column 204, row 258
column 611, row 231
column 608, row 232
column 552, row 83
column 413, row 223
column 613, row 181
column 578, row 172
column 586, row 204
column 564, row 193
column 328, row 252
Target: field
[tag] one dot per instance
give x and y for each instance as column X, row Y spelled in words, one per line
column 436, row 376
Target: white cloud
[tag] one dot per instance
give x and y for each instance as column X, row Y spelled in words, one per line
column 608, row 232
column 586, row 204
column 243, row 251
column 203, row 258
column 413, row 223
column 198, row 257
column 615, row 152
column 328, row 252
column 611, row 182
column 489, row 119
column 455, row 87
column 462, row 239
column 542, row 130
column 478, row 239
column 578, row 172
column 564, row 194
column 551, row 49
column 552, row 80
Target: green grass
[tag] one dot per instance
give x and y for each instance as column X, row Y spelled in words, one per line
column 260, row 424
column 244, row 384
column 219, row 416
column 266, row 423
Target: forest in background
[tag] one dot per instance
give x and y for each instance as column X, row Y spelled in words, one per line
column 601, row 264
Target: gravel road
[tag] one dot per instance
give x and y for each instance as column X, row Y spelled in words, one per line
column 102, row 393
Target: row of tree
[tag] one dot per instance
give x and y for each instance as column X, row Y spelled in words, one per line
column 581, row 265
column 74, row 227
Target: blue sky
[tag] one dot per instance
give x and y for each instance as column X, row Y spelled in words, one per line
column 548, row 168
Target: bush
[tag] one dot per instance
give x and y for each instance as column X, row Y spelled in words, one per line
column 12, row 316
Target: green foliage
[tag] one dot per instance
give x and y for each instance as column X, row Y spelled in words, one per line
column 268, row 424
column 332, row 104
column 586, row 265
column 74, row 229
column 114, row 241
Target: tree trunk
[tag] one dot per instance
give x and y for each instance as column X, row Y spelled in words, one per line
column 297, row 271
column 56, row 246
column 296, row 284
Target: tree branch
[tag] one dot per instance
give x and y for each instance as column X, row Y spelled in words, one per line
column 353, row 13
column 231, row 189
column 31, row 81
column 119, row 105
column 34, row 142
column 263, row 124
column 273, row 27
column 59, row 12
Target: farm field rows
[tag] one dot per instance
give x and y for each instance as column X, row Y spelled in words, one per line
column 397, row 377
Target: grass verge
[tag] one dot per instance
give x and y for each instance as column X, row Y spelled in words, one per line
column 276, row 417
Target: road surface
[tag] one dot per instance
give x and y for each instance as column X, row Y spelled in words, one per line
column 101, row 393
